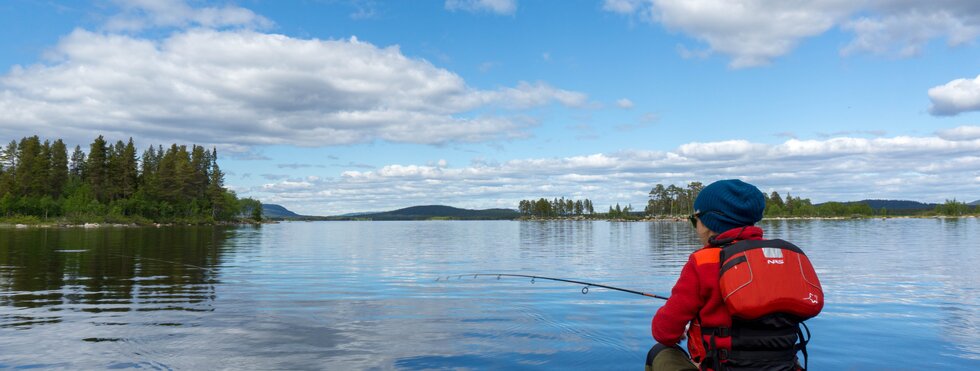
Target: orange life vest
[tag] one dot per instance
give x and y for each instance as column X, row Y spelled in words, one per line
column 769, row 287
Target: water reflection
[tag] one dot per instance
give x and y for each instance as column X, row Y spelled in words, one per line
column 352, row 295
column 49, row 274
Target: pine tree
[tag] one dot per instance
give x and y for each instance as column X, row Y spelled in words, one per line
column 114, row 173
column 97, row 169
column 76, row 168
column 148, row 177
column 200, row 165
column 31, row 173
column 216, row 191
column 776, row 200
column 58, row 174
column 129, row 176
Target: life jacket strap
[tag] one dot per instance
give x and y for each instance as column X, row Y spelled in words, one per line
column 718, row 358
column 802, row 345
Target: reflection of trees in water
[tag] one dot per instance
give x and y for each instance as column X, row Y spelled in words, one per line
column 562, row 238
column 46, row 274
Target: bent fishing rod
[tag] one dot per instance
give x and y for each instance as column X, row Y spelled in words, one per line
column 585, row 290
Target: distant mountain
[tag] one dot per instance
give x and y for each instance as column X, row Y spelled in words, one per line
column 435, row 212
column 892, row 205
column 974, row 203
column 273, row 211
column 895, row 205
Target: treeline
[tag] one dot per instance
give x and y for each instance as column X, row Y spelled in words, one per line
column 776, row 206
column 672, row 201
column 111, row 183
column 562, row 208
column 544, row 208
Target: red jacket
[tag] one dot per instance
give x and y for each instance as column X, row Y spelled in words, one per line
column 696, row 294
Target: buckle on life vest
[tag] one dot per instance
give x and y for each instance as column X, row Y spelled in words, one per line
column 722, row 332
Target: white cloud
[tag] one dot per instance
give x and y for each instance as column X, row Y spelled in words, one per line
column 960, row 133
column 843, row 168
column 754, row 32
column 624, row 103
column 505, row 7
column 137, row 15
column 955, row 97
column 905, row 33
column 725, row 150
column 906, row 25
column 622, row 6
column 247, row 88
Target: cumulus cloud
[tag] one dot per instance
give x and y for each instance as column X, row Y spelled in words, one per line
column 904, row 27
column 754, row 32
column 494, row 6
column 241, row 87
column 137, row 15
column 955, row 97
column 931, row 168
column 624, row 103
column 622, row 6
column 960, row 133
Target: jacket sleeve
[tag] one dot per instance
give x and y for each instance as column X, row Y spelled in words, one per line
column 684, row 303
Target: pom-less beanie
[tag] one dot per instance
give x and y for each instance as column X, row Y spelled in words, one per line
column 728, row 204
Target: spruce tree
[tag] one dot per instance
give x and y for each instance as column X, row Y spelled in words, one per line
column 58, row 174
column 77, row 165
column 129, row 176
column 96, row 173
column 31, row 173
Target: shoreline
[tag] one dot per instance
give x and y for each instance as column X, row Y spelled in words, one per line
column 684, row 219
column 55, row 225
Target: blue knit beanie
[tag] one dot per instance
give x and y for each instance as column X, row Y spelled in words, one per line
column 728, row 204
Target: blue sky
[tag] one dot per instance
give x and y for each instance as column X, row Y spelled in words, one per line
column 338, row 106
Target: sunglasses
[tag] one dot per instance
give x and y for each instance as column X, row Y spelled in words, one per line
column 693, row 218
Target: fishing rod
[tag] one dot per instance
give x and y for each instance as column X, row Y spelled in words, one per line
column 585, row 290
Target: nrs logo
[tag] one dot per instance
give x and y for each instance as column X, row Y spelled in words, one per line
column 813, row 299
column 775, row 261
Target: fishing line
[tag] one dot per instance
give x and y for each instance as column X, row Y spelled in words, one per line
column 585, row 290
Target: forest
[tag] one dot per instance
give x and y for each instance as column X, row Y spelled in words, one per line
column 111, row 183
column 672, row 201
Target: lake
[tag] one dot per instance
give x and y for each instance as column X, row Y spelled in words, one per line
column 901, row 294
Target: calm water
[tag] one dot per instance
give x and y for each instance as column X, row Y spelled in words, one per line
column 901, row 295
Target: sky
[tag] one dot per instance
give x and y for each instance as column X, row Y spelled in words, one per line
column 336, row 106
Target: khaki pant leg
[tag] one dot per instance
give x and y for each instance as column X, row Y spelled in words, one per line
column 663, row 358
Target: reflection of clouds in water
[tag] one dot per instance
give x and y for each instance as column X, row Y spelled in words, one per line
column 962, row 325
column 902, row 278
column 363, row 295
column 959, row 283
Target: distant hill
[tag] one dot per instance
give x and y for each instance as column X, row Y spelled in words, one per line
column 974, row 203
column 895, row 205
column 435, row 212
column 273, row 211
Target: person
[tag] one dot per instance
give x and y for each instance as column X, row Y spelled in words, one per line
column 725, row 213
